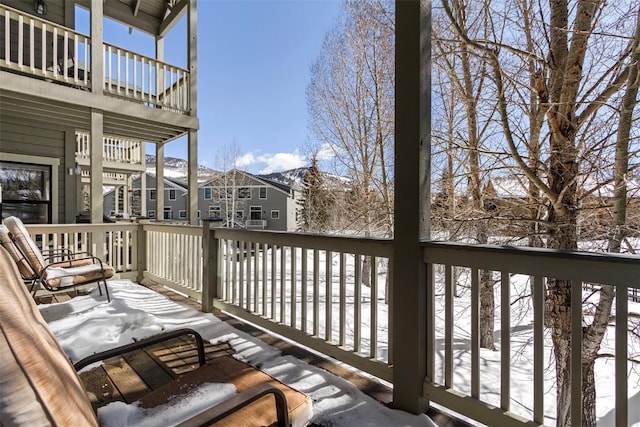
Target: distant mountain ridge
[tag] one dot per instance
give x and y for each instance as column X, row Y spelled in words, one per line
column 176, row 169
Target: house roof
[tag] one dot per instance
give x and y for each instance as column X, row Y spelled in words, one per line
column 277, row 185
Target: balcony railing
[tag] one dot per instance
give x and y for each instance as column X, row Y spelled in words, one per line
column 115, row 149
column 34, row 46
column 310, row 289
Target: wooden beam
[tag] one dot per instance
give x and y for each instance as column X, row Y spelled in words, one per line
column 52, row 92
column 170, row 20
column 123, row 13
column 136, row 8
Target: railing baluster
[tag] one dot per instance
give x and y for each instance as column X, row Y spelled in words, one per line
column 283, row 284
column 505, row 340
column 256, row 276
column 373, row 347
column 7, row 38
column 135, row 75
column 65, row 59
column 294, row 290
column 357, row 303
column 538, row 349
column 20, row 41
column 241, row 267
column 303, row 290
column 448, row 325
column 576, row 352
column 621, row 355
column 274, row 250
column 109, row 82
column 328, row 296
column 75, row 58
column 126, row 73
column 265, row 250
column 44, row 49
column 475, row 333
column 343, row 299
column 316, row 292
column 32, row 49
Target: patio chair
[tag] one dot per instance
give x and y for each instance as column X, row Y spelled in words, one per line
column 39, row 386
column 55, row 270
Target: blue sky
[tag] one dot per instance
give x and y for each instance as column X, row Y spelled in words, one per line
column 254, row 58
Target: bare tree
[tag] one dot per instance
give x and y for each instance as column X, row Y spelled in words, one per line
column 578, row 62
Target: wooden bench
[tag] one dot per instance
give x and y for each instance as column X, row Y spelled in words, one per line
column 39, row 386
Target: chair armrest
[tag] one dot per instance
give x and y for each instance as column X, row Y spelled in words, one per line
column 239, row 401
column 141, row 344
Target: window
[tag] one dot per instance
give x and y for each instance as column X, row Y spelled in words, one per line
column 167, row 213
column 172, row 194
column 226, row 193
column 152, row 194
column 198, row 213
column 255, row 212
column 263, row 192
column 26, row 192
column 182, row 214
column 239, row 214
column 207, row 193
column 244, row 193
column 275, row 214
column 151, row 213
column 214, row 211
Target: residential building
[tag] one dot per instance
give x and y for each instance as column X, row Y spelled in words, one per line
column 249, row 201
column 175, row 200
column 245, row 200
column 76, row 111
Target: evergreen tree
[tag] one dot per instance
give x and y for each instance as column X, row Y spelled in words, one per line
column 313, row 214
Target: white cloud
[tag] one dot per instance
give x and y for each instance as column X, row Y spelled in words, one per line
column 282, row 161
column 326, row 152
column 246, row 160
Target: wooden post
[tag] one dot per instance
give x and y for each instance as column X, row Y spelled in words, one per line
column 140, row 249
column 159, row 182
column 412, row 140
column 192, row 177
column 97, row 47
column 210, row 265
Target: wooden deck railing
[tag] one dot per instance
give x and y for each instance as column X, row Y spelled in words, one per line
column 309, row 289
column 520, row 275
column 35, row 46
column 42, row 48
column 115, row 149
column 116, row 244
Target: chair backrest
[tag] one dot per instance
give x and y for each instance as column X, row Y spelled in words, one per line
column 37, row 381
column 25, row 243
column 25, row 269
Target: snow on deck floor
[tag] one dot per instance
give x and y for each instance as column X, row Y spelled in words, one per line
column 88, row 324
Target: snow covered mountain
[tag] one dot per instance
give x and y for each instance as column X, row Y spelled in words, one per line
column 175, row 168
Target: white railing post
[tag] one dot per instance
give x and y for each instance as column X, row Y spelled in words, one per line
column 141, row 250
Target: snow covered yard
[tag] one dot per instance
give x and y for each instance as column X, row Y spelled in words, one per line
column 87, row 324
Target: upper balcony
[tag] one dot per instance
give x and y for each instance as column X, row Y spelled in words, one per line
column 35, row 47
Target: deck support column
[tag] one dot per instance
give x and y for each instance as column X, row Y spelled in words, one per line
column 159, row 182
column 411, row 206
column 192, row 46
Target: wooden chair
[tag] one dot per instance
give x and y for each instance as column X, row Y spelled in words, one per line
column 55, row 270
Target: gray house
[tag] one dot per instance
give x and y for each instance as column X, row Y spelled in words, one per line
column 175, row 200
column 249, row 201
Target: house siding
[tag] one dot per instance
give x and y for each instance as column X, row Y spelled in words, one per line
column 22, row 136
